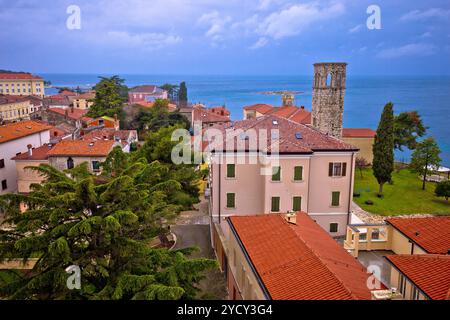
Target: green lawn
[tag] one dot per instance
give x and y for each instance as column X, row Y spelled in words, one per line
column 404, row 196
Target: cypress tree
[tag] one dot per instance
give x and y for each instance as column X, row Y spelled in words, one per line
column 383, row 147
column 182, row 94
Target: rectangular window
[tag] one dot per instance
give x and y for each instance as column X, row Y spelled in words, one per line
column 333, row 227
column 275, row 204
column 2, row 163
column 335, row 198
column 337, row 169
column 297, row 203
column 4, row 185
column 231, row 200
column 276, row 173
column 298, row 173
column 96, row 165
column 231, row 171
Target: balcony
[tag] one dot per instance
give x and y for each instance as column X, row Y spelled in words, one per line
column 367, row 237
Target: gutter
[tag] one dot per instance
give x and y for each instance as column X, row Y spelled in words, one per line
column 249, row 261
column 350, row 193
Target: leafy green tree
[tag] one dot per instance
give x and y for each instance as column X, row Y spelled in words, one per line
column 61, row 89
column 383, row 147
column 408, row 126
column 109, row 97
column 182, row 94
column 158, row 146
column 443, row 189
column 103, row 225
column 157, row 117
column 425, row 155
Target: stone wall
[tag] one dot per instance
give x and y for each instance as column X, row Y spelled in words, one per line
column 328, row 97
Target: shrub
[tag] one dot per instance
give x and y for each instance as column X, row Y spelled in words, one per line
column 357, row 194
column 369, row 202
column 443, row 189
column 379, row 195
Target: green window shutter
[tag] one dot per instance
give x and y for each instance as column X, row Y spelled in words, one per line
column 298, row 173
column 344, row 169
column 330, row 169
column 230, row 200
column 231, row 171
column 333, row 227
column 275, row 204
column 335, row 198
column 297, row 204
column 276, row 173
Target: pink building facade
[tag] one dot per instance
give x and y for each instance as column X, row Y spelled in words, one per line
column 318, row 181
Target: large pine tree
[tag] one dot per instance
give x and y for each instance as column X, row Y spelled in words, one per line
column 383, row 147
column 103, row 224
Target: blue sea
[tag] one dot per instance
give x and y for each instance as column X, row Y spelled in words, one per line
column 364, row 99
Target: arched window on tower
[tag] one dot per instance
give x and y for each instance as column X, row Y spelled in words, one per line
column 328, row 80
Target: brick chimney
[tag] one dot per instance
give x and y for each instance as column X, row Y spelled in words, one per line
column 30, row 150
column 302, row 107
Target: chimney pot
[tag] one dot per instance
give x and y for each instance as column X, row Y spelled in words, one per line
column 291, row 217
column 302, row 107
column 30, row 150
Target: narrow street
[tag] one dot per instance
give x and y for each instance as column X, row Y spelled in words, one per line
column 192, row 230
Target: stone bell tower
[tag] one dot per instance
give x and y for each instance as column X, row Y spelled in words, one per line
column 328, row 97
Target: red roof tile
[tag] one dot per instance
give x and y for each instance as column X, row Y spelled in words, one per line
column 76, row 114
column 358, row 133
column 207, row 116
column 40, row 153
column 300, row 262
column 260, row 107
column 110, row 134
column 7, row 98
column 144, row 89
column 19, row 76
column 21, row 129
column 82, row 148
column 308, row 141
column 432, row 234
column 429, row 272
column 285, row 111
column 301, row 116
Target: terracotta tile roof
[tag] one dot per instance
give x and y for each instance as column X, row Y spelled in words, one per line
column 299, row 262
column 80, row 148
column 358, row 133
column 148, row 104
column 260, row 107
column 86, row 96
column 21, row 129
column 285, row 111
column 145, row 89
column 432, row 234
column 6, row 99
column 40, row 153
column 429, row 272
column 207, row 116
column 75, row 114
column 221, row 110
column 301, row 116
column 292, row 138
column 19, row 76
column 110, row 134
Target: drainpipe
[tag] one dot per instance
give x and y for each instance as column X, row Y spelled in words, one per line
column 350, row 195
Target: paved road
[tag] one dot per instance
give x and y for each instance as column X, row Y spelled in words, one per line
column 192, row 230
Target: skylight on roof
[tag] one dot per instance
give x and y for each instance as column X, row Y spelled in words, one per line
column 275, row 122
column 298, row 135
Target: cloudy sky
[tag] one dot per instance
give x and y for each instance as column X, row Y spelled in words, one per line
column 224, row 37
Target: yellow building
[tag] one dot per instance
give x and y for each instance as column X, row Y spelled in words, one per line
column 84, row 101
column 13, row 108
column 21, row 84
column 363, row 139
